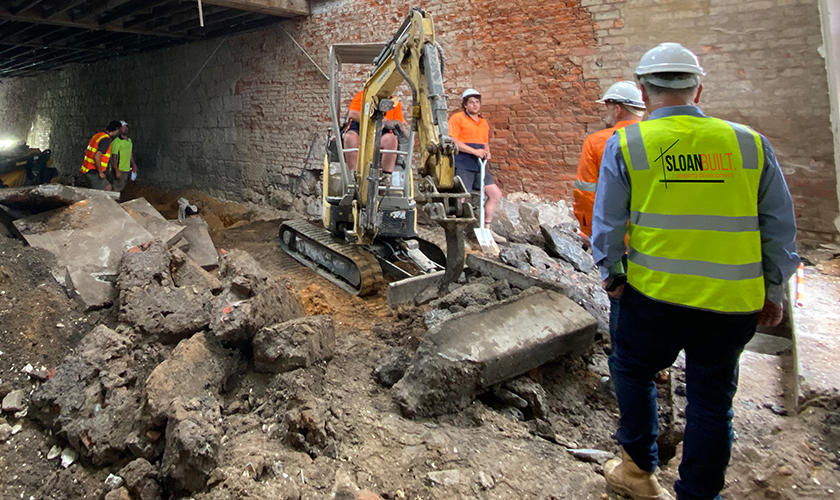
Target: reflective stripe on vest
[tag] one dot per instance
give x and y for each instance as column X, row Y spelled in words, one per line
column 89, row 161
column 694, row 234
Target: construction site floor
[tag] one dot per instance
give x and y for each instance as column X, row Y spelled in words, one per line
column 480, row 452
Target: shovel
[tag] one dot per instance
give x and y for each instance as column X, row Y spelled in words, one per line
column 483, row 234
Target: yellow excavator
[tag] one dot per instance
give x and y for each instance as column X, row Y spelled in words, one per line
column 370, row 226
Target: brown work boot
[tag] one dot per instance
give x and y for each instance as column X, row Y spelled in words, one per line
column 625, row 477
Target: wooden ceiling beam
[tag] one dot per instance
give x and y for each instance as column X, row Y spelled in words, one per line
column 281, row 8
column 64, row 20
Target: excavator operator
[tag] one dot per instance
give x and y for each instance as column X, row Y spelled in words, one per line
column 392, row 124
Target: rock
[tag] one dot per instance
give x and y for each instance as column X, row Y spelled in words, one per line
column 14, row 401
column 485, row 482
column 144, row 265
column 391, row 367
column 5, row 432
column 251, row 300
column 307, row 429
column 196, row 370
column 16, row 428
column 113, row 482
column 187, row 273
column 149, row 299
column 192, row 445
column 590, row 455
column 293, row 344
column 54, row 452
column 449, row 477
column 520, row 214
column 119, row 494
column 170, row 313
column 434, row 385
column 473, row 294
column 532, row 393
column 93, row 398
column 560, row 245
column 68, row 456
column 40, row 374
column 141, row 479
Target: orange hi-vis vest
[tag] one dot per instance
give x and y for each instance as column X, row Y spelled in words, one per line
column 90, row 152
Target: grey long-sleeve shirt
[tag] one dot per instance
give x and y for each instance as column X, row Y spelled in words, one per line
column 775, row 212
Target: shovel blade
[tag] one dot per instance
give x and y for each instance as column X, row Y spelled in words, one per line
column 486, row 241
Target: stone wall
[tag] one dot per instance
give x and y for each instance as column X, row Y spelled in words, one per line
column 245, row 117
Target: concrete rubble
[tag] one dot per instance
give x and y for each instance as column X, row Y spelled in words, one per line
column 91, row 400
column 150, row 300
column 297, row 343
column 87, row 233
column 474, row 350
column 251, row 300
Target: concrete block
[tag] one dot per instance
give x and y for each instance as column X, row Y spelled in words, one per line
column 88, row 236
column 143, row 212
column 472, row 351
column 29, row 200
column 202, row 250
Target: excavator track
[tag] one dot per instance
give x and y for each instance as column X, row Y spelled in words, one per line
column 351, row 267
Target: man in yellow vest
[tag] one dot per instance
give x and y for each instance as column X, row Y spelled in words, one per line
column 97, row 155
column 711, row 244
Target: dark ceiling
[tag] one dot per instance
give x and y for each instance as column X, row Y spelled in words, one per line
column 43, row 35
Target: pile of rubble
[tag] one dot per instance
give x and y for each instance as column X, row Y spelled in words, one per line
column 149, row 392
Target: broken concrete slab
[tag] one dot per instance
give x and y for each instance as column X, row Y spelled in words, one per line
column 143, row 212
column 583, row 288
column 44, row 197
column 520, row 214
column 559, row 244
column 144, row 265
column 86, row 237
column 475, row 350
column 187, row 273
column 293, row 344
column 201, row 250
column 406, row 290
column 93, row 399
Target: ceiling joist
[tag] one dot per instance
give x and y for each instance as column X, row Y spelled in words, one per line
column 43, row 35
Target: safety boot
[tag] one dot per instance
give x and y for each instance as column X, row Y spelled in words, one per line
column 625, row 477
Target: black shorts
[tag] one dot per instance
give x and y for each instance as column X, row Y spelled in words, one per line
column 471, row 178
column 353, row 126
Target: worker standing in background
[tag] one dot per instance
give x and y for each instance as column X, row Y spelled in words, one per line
column 471, row 134
column 392, row 124
column 622, row 106
column 122, row 158
column 97, row 155
column 711, row 244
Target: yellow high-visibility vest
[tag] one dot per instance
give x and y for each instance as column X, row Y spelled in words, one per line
column 694, row 234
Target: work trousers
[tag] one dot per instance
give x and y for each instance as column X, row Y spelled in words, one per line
column 649, row 337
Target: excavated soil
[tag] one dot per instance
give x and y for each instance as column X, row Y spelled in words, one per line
column 348, row 433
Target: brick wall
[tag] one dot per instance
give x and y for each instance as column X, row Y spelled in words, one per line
column 245, row 117
column 763, row 68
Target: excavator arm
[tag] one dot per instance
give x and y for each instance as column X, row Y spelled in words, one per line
column 413, row 56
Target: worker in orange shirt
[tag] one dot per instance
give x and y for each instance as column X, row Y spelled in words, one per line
column 623, row 106
column 392, row 124
column 471, row 134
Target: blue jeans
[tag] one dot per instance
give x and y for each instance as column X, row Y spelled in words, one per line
column 649, row 337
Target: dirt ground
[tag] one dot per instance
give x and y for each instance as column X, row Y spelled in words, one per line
column 483, row 452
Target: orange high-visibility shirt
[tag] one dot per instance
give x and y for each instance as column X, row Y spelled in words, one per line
column 589, row 167
column 468, row 130
column 394, row 114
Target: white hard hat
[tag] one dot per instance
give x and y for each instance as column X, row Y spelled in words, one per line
column 470, row 93
column 624, row 92
column 669, row 57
